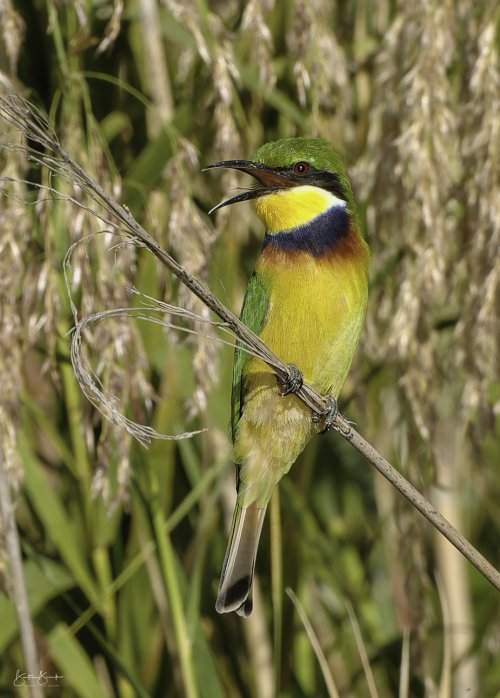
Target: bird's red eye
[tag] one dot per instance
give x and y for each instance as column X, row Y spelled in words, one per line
column 301, row 168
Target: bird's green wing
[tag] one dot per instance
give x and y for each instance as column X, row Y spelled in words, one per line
column 253, row 315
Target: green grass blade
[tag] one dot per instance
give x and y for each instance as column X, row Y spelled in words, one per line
column 61, row 530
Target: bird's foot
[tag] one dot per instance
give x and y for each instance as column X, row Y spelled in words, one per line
column 328, row 416
column 293, row 383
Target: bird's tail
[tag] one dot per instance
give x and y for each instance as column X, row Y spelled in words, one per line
column 235, row 587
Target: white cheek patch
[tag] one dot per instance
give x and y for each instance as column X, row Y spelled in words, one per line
column 336, row 201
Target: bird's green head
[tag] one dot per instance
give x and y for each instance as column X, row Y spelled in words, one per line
column 297, row 179
column 317, row 153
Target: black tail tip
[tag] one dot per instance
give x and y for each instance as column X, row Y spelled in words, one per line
column 238, row 597
column 246, row 607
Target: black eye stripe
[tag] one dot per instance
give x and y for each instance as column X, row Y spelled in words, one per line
column 319, row 178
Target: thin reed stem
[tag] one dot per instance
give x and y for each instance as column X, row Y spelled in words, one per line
column 315, row 644
column 167, row 561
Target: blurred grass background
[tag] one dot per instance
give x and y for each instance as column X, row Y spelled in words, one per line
column 122, row 546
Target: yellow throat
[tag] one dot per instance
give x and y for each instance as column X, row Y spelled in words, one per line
column 290, row 208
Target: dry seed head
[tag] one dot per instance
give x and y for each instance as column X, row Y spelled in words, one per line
column 103, row 274
column 227, row 140
column 481, row 153
column 414, row 138
column 97, row 288
column 253, row 24
column 11, row 34
column 112, row 29
column 433, row 178
column 15, row 224
column 187, row 14
column 112, row 483
column 190, row 238
column 299, row 38
column 320, row 69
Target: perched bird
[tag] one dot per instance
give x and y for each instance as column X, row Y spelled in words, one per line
column 307, row 300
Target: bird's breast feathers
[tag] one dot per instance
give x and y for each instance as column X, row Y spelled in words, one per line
column 317, row 306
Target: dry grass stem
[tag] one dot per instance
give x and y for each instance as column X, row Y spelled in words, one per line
column 404, row 671
column 318, row 651
column 370, row 680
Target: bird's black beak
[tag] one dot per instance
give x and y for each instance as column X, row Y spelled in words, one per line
column 268, row 180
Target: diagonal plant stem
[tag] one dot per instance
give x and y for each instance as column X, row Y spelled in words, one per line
column 24, row 117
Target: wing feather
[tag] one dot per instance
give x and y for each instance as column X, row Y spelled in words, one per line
column 254, row 315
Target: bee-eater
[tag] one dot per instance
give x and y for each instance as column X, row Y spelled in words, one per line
column 307, row 300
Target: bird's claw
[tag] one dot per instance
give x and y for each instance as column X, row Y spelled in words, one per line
column 328, row 416
column 293, row 383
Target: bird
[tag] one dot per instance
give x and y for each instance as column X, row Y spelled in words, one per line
column 306, row 299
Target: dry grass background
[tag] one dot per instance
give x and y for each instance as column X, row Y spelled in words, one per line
column 143, row 94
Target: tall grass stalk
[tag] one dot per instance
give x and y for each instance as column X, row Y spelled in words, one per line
column 168, row 566
column 318, row 650
column 370, row 680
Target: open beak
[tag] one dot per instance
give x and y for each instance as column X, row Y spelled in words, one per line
column 268, row 180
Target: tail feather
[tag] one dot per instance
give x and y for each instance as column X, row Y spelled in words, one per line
column 235, row 587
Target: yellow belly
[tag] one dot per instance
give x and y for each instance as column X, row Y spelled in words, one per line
column 316, row 313
column 315, row 317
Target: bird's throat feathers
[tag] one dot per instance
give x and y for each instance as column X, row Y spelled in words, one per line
column 304, row 218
